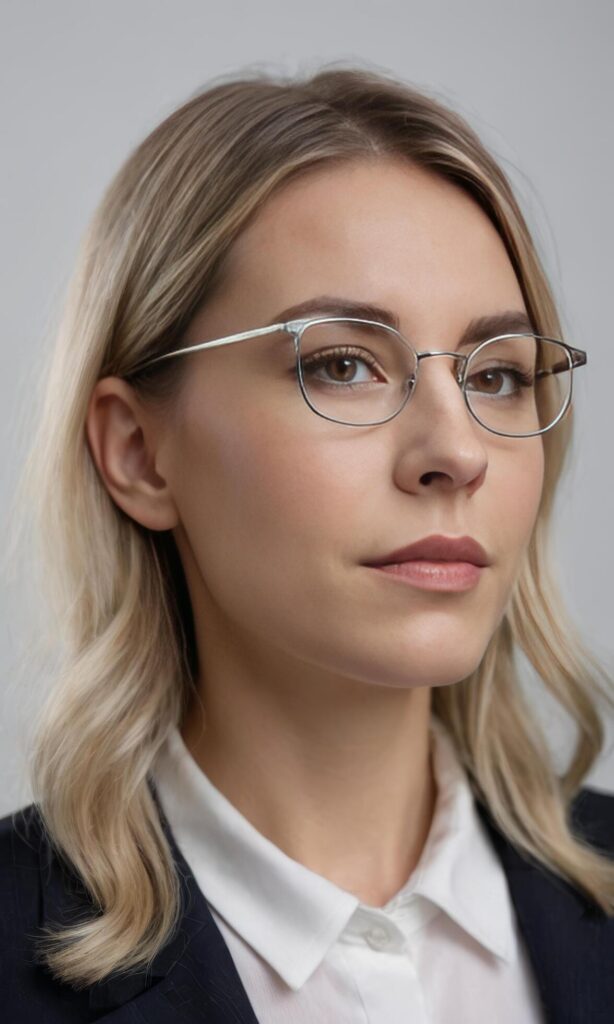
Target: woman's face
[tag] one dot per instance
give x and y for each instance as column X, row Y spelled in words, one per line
column 278, row 509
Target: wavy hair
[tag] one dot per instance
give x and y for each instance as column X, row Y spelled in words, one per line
column 152, row 256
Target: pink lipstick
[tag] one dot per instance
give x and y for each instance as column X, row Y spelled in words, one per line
column 436, row 563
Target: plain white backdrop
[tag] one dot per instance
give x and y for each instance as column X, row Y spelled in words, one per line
column 83, row 82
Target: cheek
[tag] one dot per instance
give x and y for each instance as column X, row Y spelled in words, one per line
column 517, row 488
column 273, row 490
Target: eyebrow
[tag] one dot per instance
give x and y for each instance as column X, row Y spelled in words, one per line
column 510, row 321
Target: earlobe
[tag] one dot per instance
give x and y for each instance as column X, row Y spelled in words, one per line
column 122, row 444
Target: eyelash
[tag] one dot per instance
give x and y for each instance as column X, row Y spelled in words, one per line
column 321, row 358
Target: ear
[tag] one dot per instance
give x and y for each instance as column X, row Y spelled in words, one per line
column 123, row 442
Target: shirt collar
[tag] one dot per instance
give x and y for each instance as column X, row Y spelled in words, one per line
column 291, row 915
column 459, row 870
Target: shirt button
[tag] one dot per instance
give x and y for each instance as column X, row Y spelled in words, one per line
column 377, row 937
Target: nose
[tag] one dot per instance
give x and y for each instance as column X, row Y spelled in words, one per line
column 436, row 387
column 440, row 436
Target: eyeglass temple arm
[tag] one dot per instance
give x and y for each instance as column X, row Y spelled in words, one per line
column 578, row 358
column 290, row 326
column 242, row 336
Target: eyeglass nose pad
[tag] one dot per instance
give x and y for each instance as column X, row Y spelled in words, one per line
column 410, row 385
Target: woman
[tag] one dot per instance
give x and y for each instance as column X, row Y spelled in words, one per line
column 303, row 429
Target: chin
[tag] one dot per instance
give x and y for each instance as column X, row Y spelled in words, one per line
column 412, row 670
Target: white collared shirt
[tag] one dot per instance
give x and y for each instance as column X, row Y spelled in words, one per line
column 444, row 950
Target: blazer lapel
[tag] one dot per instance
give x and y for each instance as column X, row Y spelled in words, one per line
column 192, row 980
column 570, row 941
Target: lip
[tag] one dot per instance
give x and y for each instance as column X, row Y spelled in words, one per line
column 437, row 548
column 449, row 576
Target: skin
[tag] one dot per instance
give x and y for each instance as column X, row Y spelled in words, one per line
column 315, row 671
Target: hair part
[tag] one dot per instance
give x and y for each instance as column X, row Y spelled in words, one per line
column 154, row 254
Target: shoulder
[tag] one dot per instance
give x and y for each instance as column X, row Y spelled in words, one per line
column 21, row 850
column 592, row 818
column 20, row 830
column 21, row 857
column 29, row 869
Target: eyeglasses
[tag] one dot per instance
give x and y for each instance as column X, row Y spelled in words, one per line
column 361, row 373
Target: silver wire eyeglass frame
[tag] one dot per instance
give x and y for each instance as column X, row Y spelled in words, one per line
column 296, row 328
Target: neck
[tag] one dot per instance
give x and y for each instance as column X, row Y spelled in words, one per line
column 334, row 771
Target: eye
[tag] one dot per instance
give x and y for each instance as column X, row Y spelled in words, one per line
column 343, row 361
column 488, row 381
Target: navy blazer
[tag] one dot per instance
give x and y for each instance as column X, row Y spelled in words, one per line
column 193, row 979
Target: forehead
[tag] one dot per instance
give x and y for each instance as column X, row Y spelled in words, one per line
column 381, row 230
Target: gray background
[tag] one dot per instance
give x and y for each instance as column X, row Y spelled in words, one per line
column 83, row 82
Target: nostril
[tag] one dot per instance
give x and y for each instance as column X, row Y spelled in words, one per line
column 427, row 478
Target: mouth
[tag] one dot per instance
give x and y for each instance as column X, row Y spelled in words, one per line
column 436, row 563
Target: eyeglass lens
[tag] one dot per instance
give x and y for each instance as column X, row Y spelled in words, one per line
column 363, row 374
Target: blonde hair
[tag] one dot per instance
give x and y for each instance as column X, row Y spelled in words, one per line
column 153, row 254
